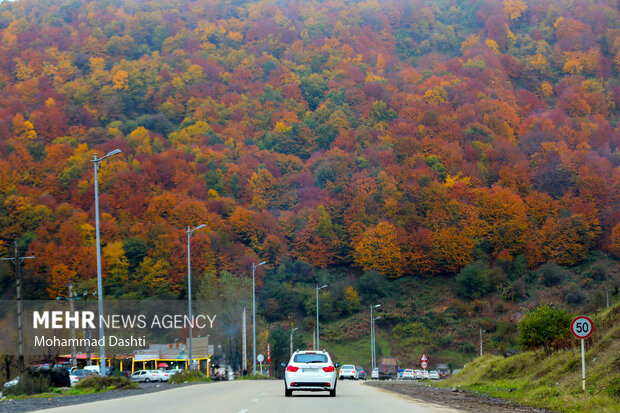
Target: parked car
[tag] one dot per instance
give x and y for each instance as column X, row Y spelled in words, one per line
column 375, row 373
column 433, row 375
column 164, row 375
column 310, row 370
column 418, row 375
column 348, row 371
column 408, row 374
column 146, row 376
column 425, row 375
column 361, row 373
column 79, row 374
column 172, row 372
column 93, row 369
column 12, row 382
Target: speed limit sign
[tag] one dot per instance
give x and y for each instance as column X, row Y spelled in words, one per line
column 581, row 327
column 424, row 365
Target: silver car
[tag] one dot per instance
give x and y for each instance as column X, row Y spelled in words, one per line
column 146, row 376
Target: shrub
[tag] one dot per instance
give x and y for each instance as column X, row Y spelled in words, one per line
column 473, row 280
column 98, row 383
column 545, row 326
column 40, row 380
column 373, row 285
column 188, row 376
column 552, row 273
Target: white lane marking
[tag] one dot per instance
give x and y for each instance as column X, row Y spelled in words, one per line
column 255, row 400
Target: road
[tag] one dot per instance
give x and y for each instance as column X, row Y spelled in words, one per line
column 259, row 396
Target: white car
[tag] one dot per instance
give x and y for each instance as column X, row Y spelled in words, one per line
column 408, row 374
column 164, row 375
column 311, row 371
column 79, row 374
column 146, row 376
column 418, row 375
column 433, row 375
column 425, row 375
column 11, row 383
column 375, row 373
column 348, row 371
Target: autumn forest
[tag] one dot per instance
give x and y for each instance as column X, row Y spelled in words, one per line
column 396, row 139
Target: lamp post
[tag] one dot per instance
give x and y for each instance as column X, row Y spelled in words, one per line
column 96, row 162
column 293, row 331
column 372, row 333
column 317, row 314
column 481, row 331
column 254, row 266
column 374, row 357
column 189, row 288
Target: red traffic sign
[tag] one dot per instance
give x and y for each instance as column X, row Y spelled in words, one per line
column 424, row 365
column 423, row 358
column 582, row 327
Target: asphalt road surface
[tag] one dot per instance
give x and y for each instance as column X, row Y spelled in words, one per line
column 259, row 396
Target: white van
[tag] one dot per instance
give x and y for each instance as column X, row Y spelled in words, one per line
column 94, row 369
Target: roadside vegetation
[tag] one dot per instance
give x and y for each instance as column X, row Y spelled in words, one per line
column 255, row 377
column 37, row 386
column 550, row 378
column 189, row 376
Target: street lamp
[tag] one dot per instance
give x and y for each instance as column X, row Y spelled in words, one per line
column 189, row 288
column 372, row 333
column 374, row 346
column 254, row 266
column 96, row 161
column 317, row 314
column 292, row 331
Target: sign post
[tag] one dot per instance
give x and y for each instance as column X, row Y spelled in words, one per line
column 582, row 328
column 423, row 362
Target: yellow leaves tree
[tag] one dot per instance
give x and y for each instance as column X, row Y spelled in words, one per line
column 140, row 141
column 191, row 135
column 514, row 8
column 117, row 265
column 155, row 276
column 378, row 249
column 23, row 129
column 262, row 184
column 435, row 95
column 452, row 248
column 120, row 80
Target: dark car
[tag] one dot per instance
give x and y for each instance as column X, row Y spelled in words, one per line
column 361, row 373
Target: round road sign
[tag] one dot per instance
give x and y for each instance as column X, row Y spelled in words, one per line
column 424, row 365
column 581, row 327
column 260, row 358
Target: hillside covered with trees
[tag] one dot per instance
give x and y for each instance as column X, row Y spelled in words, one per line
column 370, row 143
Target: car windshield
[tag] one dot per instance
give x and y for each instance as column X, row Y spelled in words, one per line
column 78, row 372
column 348, row 367
column 310, row 358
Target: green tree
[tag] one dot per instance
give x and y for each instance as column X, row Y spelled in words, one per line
column 545, row 326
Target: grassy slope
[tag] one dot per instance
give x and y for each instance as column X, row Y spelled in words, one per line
column 554, row 382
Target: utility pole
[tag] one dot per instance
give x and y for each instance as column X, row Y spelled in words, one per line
column 293, row 331
column 372, row 336
column 254, row 266
column 17, row 262
column 481, row 331
column 72, row 310
column 245, row 344
column 317, row 314
column 314, row 338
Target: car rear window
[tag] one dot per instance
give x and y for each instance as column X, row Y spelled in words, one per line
column 347, row 367
column 310, row 358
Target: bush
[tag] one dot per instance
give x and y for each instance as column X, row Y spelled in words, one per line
column 545, row 326
column 98, row 383
column 40, row 380
column 552, row 274
column 188, row 376
column 473, row 280
column 373, row 286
